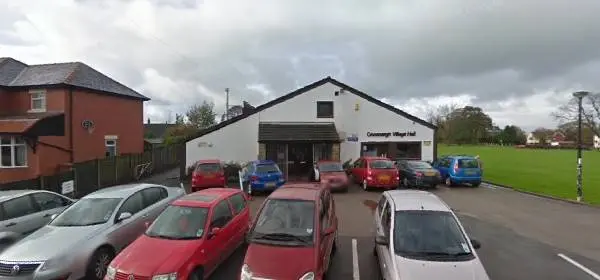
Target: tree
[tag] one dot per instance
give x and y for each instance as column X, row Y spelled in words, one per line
column 179, row 120
column 543, row 134
column 439, row 117
column 468, row 125
column 201, row 116
column 569, row 129
column 179, row 133
column 513, row 135
column 591, row 112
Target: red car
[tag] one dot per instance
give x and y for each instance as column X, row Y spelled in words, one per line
column 376, row 172
column 332, row 174
column 188, row 240
column 294, row 235
column 208, row 174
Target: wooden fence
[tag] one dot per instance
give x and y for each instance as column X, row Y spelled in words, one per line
column 87, row 177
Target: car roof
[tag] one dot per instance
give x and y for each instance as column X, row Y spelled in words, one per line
column 205, row 198
column 208, row 161
column 416, row 200
column 267, row 161
column 9, row 194
column 120, row 191
column 301, row 191
column 375, row 158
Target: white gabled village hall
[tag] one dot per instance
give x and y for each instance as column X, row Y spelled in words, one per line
column 323, row 120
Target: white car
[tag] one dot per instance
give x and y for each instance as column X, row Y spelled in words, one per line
column 418, row 237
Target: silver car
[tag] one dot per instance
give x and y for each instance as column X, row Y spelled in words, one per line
column 81, row 241
column 24, row 211
column 418, row 237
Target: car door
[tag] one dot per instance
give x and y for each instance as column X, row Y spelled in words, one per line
column 154, row 203
column 49, row 204
column 383, row 229
column 357, row 170
column 21, row 215
column 241, row 218
column 126, row 231
column 442, row 166
column 221, row 243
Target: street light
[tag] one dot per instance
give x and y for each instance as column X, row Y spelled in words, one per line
column 579, row 95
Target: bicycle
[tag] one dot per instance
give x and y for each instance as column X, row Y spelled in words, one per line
column 142, row 169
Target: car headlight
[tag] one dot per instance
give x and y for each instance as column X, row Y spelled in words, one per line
column 54, row 263
column 169, row 276
column 111, row 272
column 246, row 274
column 308, row 276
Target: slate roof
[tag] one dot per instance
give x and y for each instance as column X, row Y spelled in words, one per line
column 297, row 132
column 14, row 73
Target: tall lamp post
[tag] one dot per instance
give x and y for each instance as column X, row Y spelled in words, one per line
column 579, row 95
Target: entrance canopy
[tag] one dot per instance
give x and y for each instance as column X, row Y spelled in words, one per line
column 33, row 125
column 297, row 132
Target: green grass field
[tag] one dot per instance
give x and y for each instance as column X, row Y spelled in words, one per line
column 550, row 172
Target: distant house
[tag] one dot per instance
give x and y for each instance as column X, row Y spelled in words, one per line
column 237, row 110
column 154, row 133
column 531, row 139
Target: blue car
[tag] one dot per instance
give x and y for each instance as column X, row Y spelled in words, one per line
column 262, row 175
column 458, row 170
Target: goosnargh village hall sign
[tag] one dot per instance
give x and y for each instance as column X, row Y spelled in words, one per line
column 395, row 134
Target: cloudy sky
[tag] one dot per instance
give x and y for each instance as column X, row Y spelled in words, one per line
column 517, row 59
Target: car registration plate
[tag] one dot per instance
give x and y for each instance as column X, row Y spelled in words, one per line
column 210, row 176
column 384, row 178
column 470, row 172
column 270, row 184
column 429, row 173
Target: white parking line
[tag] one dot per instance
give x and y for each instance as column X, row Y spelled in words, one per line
column 580, row 266
column 355, row 270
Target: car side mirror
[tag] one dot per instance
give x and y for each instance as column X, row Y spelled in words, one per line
column 329, row 231
column 476, row 244
column 381, row 240
column 124, row 216
column 213, row 232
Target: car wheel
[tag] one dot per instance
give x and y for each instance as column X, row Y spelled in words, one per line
column 197, row 274
column 448, row 182
column 476, row 184
column 365, row 186
column 99, row 262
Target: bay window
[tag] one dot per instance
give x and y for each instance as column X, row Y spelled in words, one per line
column 13, row 152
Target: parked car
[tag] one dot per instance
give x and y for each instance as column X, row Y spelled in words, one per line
column 262, row 175
column 331, row 174
column 417, row 236
column 296, row 229
column 81, row 241
column 417, row 173
column 208, row 173
column 376, row 172
column 456, row 170
column 199, row 231
column 25, row 211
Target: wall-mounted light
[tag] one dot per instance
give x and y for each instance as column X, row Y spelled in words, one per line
column 356, row 106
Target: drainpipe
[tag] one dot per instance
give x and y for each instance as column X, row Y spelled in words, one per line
column 72, row 154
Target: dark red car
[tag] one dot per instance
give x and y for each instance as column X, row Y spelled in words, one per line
column 208, row 173
column 378, row 172
column 294, row 235
column 332, row 174
column 188, row 240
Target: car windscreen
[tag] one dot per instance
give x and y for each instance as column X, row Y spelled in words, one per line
column 179, row 222
column 381, row 164
column 87, row 211
column 267, row 168
column 330, row 167
column 286, row 220
column 419, row 233
column 468, row 163
column 419, row 165
column 208, row 167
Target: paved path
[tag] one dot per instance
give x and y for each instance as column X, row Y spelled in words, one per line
column 514, row 244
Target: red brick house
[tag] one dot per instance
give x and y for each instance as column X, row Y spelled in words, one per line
column 52, row 115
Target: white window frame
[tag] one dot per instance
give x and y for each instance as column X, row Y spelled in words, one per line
column 37, row 95
column 15, row 142
column 111, row 141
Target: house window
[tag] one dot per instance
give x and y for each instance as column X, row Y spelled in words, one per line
column 111, row 147
column 38, row 100
column 13, row 152
column 324, row 109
